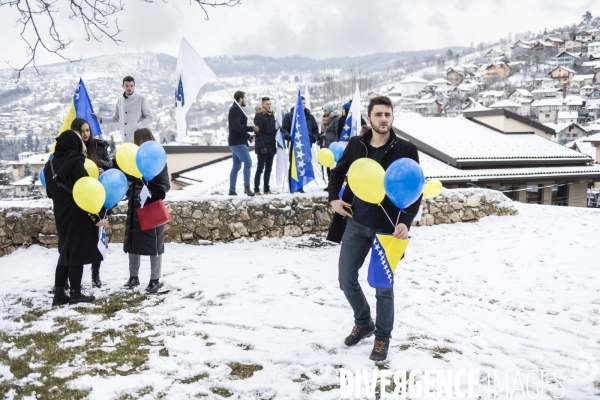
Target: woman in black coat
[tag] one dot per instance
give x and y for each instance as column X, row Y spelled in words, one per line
column 77, row 229
column 98, row 153
column 265, row 146
column 144, row 243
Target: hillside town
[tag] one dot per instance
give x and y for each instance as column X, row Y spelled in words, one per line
column 547, row 83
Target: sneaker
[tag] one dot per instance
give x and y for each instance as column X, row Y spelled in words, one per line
column 232, row 193
column 248, row 191
column 380, row 349
column 257, row 192
column 267, row 192
column 153, row 286
column 359, row 333
column 78, row 297
column 132, row 282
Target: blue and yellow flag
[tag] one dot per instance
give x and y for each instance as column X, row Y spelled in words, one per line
column 81, row 107
column 353, row 120
column 302, row 170
column 386, row 252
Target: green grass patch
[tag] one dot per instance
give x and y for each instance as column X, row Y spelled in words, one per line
column 328, row 388
column 109, row 306
column 243, row 371
column 163, row 352
column 302, row 378
column 194, row 378
column 220, row 391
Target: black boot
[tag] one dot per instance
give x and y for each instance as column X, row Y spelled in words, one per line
column 132, row 282
column 60, row 297
column 153, row 286
column 380, row 349
column 96, row 282
column 78, row 297
column 248, row 191
column 359, row 333
column 232, row 193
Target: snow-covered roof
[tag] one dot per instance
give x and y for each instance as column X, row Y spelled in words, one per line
column 439, row 81
column 593, row 64
column 523, row 92
column 567, row 115
column 36, row 159
column 492, row 93
column 559, row 127
column 581, row 78
column 593, row 106
column 504, row 103
column 413, row 79
column 24, row 182
column 555, row 39
column 587, row 87
column 435, row 169
column 592, row 138
column 465, row 140
column 426, row 101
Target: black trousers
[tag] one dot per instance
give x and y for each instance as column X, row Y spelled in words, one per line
column 74, row 273
column 265, row 162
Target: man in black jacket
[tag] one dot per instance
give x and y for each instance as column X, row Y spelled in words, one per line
column 266, row 147
column 286, row 128
column 355, row 223
column 238, row 143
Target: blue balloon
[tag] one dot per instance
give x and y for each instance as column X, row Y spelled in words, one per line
column 42, row 177
column 404, row 182
column 151, row 158
column 337, row 149
column 51, row 157
column 115, row 184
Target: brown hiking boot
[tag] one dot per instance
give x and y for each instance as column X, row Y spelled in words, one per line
column 359, row 333
column 380, row 349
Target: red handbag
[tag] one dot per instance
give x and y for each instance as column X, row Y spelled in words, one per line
column 153, row 215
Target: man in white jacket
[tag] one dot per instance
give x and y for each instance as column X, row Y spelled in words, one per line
column 132, row 112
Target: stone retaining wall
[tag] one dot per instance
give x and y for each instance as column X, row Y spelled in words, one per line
column 223, row 219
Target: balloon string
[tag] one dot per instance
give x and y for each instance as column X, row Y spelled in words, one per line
column 388, row 217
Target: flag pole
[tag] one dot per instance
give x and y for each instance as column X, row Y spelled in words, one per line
column 234, row 100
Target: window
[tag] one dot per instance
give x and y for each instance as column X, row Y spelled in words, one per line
column 22, row 189
column 534, row 194
column 509, row 191
column 560, row 195
column 547, row 115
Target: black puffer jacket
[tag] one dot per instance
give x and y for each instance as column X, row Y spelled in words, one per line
column 313, row 127
column 331, row 131
column 102, row 152
column 136, row 241
column 265, row 137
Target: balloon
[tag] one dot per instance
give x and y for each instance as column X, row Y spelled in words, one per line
column 150, row 159
column 115, row 184
column 42, row 177
column 89, row 194
column 91, row 168
column 326, row 158
column 337, row 149
column 126, row 159
column 432, row 189
column 365, row 178
column 51, row 157
column 404, row 182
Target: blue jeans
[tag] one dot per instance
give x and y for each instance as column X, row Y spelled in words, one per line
column 356, row 244
column 240, row 154
column 265, row 162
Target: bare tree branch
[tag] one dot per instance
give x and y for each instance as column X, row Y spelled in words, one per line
column 95, row 17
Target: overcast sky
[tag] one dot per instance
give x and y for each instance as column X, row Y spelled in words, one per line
column 312, row 28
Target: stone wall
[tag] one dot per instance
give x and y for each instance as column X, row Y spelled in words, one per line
column 221, row 219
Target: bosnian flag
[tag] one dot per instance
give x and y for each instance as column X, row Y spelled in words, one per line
column 386, row 252
column 102, row 242
column 302, row 169
column 352, row 125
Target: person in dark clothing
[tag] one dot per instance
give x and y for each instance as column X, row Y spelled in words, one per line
column 329, row 129
column 98, row 153
column 137, row 242
column 239, row 135
column 77, row 229
column 286, row 129
column 265, row 146
column 356, row 233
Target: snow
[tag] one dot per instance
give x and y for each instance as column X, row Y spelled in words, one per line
column 509, row 293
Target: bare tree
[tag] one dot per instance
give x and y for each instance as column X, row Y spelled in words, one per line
column 39, row 31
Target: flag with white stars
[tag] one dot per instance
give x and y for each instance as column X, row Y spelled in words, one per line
column 352, row 125
column 84, row 109
column 302, row 169
column 102, row 242
column 386, row 252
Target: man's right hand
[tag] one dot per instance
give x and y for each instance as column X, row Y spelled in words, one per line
column 97, row 116
column 255, row 128
column 338, row 207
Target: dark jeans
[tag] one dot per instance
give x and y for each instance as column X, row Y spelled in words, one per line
column 75, row 275
column 356, row 244
column 265, row 161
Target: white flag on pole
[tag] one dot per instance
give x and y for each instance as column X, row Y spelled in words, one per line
column 192, row 73
column 281, row 167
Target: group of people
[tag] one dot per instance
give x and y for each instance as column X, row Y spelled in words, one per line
column 354, row 224
column 78, row 230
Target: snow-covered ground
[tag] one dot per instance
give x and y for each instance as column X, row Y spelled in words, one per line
column 506, row 293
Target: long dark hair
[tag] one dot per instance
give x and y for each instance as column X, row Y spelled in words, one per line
column 90, row 144
column 142, row 135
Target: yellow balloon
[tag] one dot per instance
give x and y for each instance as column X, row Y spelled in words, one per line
column 91, row 168
column 326, row 158
column 432, row 189
column 53, row 147
column 365, row 178
column 126, row 159
column 89, row 194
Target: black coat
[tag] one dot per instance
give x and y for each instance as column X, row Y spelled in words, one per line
column 357, row 148
column 331, row 131
column 265, row 137
column 313, row 127
column 137, row 241
column 102, row 152
column 238, row 130
column 76, row 229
